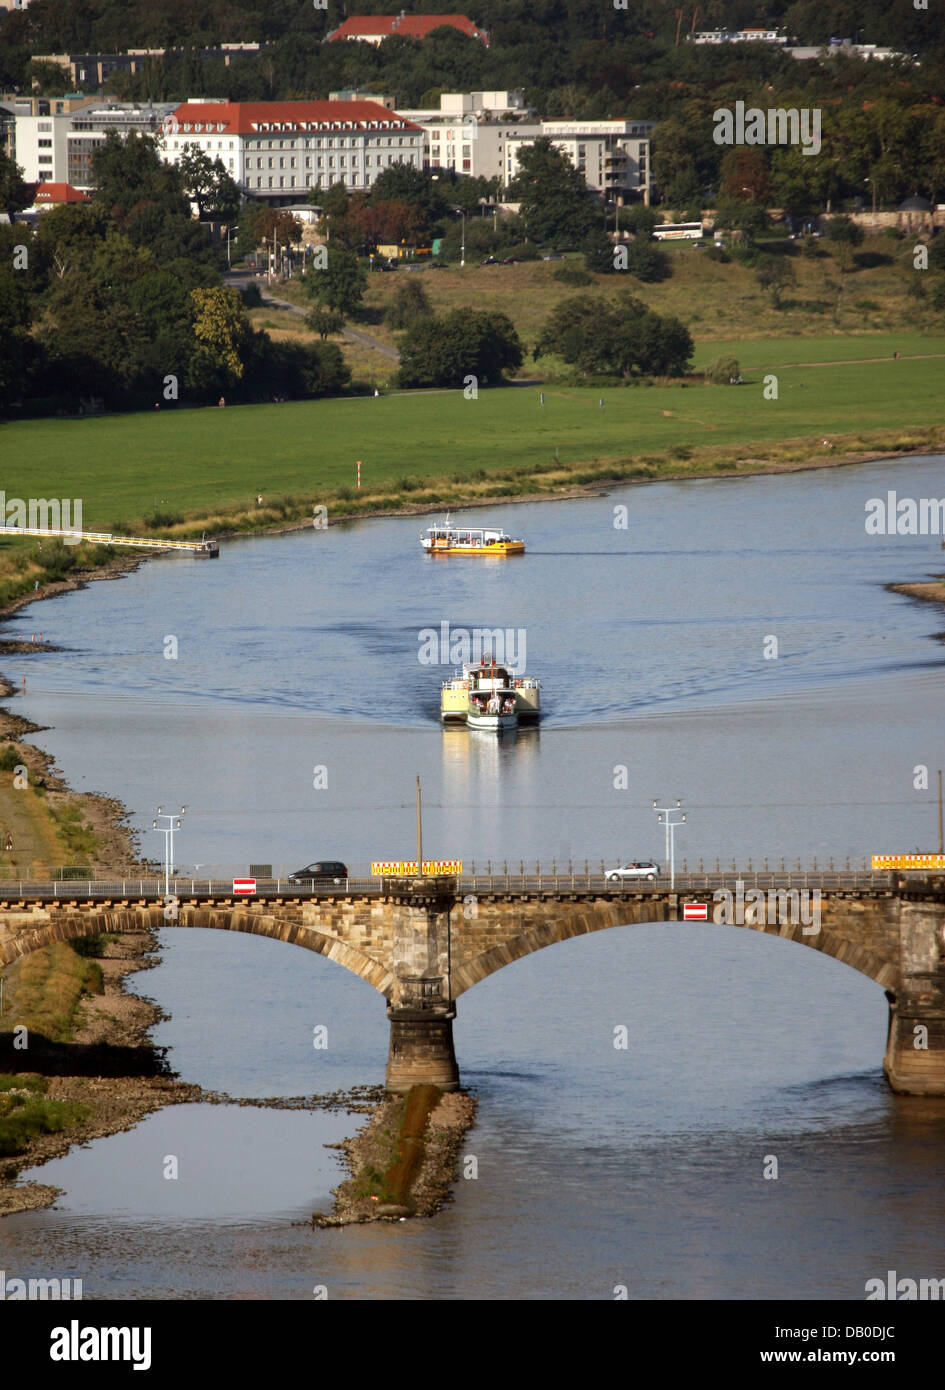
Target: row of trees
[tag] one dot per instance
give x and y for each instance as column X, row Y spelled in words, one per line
column 121, row 300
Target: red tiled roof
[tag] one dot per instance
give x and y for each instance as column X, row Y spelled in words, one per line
column 59, row 193
column 408, row 26
column 250, row 117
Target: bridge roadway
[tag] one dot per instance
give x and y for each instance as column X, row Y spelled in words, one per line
column 422, row 942
column 24, row 892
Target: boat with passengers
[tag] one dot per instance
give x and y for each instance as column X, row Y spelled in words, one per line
column 488, row 696
column 448, row 539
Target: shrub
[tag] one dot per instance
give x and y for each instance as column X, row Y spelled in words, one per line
column 9, row 758
column 723, row 371
column 567, row 275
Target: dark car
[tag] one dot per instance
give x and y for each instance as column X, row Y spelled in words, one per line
column 322, row 871
column 553, row 256
column 488, row 260
column 510, row 260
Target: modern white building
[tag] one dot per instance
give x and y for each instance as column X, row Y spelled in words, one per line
column 479, row 134
column 276, row 150
column 58, row 148
column 42, row 148
column 469, row 131
column 613, row 156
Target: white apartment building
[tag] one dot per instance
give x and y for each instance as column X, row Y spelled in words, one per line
column 58, row 148
column 613, row 156
column 42, row 149
column 480, row 134
column 276, row 150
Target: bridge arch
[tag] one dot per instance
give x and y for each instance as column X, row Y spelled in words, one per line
column 581, row 920
column 67, row 926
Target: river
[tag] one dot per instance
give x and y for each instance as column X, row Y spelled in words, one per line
column 292, row 723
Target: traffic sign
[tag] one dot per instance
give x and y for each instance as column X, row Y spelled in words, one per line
column 244, row 886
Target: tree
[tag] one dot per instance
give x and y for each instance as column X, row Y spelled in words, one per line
column 15, row 195
column 417, row 187
column 845, row 235
column 409, row 303
column 324, row 322
column 775, row 274
column 739, row 216
column 221, row 329
column 745, row 175
column 340, row 286
column 553, row 195
column 467, row 342
column 619, row 338
column 129, row 171
column 206, row 182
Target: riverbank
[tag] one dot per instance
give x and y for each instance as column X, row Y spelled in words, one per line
column 926, row 591
column 108, row 1069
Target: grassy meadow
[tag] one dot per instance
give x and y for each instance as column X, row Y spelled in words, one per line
column 204, row 464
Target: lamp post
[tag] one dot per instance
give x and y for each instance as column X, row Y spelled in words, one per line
column 665, row 819
column 174, row 823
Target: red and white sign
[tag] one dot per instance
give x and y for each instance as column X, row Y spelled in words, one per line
column 695, row 912
column 244, row 885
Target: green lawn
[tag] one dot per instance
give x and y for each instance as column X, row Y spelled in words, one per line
column 199, row 462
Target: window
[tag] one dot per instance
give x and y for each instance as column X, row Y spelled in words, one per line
column 44, row 126
column 45, row 159
column 44, row 144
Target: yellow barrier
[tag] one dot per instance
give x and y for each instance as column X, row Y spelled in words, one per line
column 909, row 861
column 407, row 868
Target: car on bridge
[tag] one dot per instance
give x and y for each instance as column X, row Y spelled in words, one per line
column 322, row 871
column 647, row 870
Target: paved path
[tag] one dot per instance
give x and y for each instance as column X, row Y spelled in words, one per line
column 356, row 335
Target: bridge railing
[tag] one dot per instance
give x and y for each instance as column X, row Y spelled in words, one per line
column 152, row 888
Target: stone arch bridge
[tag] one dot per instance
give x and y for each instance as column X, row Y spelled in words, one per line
column 423, row 942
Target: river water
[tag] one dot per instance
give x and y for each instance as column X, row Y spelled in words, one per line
column 292, row 723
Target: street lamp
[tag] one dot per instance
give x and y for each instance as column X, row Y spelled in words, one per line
column 174, row 823
column 664, row 818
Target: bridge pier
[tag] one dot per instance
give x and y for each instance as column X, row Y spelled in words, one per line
column 421, row 1011
column 421, row 1050
column 915, row 1048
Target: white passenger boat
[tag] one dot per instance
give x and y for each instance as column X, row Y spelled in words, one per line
column 488, row 696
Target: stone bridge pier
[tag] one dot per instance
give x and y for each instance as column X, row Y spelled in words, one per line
column 915, row 1047
column 421, row 1008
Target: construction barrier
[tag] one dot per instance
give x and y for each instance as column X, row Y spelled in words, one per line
column 909, row 861
column 407, row 868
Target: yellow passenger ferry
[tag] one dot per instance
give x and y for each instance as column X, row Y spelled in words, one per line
column 446, row 539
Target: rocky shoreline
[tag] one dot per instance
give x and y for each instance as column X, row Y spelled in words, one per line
column 370, row 1151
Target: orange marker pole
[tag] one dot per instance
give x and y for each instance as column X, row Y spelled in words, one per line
column 359, row 474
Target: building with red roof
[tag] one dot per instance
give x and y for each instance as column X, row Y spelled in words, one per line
column 375, row 28
column 49, row 195
column 278, row 150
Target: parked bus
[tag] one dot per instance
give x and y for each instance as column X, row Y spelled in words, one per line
column 678, row 231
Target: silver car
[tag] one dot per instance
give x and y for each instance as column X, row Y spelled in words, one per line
column 647, row 870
